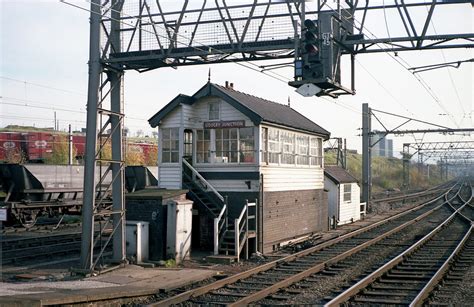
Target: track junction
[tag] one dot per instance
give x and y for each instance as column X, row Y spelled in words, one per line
column 400, row 260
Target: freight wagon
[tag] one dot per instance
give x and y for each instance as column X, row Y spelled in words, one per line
column 36, row 147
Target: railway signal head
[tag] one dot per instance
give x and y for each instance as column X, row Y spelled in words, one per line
column 311, row 39
column 318, row 56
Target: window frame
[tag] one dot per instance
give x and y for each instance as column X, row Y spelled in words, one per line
column 347, row 193
column 218, row 113
column 167, row 136
column 206, row 154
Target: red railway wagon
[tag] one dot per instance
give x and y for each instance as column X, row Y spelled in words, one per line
column 38, row 145
column 79, row 142
column 144, row 148
column 10, row 146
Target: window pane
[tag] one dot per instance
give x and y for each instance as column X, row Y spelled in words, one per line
column 174, row 133
column 225, row 134
column 174, row 156
column 233, row 133
column 166, row 157
column 233, row 157
column 213, row 110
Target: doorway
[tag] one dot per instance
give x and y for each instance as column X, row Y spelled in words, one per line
column 188, row 146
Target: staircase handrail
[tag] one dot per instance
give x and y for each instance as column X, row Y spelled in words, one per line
column 201, row 178
column 220, row 226
column 238, row 229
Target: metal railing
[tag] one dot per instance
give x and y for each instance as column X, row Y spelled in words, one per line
column 242, row 230
column 197, row 177
column 220, row 227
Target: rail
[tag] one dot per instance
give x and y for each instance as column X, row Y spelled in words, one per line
column 426, row 291
column 204, row 183
column 220, row 226
column 356, row 288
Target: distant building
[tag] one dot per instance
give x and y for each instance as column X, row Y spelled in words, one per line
column 384, row 146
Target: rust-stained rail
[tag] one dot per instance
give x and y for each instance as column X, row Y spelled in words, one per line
column 426, row 291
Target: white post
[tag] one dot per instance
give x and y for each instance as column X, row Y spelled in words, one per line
column 216, row 236
column 246, row 229
column 237, row 247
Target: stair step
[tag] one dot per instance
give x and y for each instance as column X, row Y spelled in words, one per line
column 223, row 259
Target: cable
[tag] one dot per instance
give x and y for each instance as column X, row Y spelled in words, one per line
column 384, row 88
column 449, row 71
column 43, row 86
column 53, row 108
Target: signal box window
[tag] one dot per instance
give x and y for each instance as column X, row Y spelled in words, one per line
column 214, row 110
column 170, row 143
column 203, row 144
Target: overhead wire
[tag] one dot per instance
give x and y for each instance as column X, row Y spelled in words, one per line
column 27, row 103
column 42, row 86
column 449, row 71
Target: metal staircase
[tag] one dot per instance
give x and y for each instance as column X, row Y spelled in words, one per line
column 231, row 236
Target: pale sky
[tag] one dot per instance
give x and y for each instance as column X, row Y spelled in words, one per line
column 44, row 53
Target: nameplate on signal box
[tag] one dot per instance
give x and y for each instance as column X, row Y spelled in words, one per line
column 225, row 124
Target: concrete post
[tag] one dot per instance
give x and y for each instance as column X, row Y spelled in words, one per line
column 366, row 154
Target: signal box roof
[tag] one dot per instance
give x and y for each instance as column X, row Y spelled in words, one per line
column 259, row 110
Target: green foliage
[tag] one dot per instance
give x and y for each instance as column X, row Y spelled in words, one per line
column 387, row 173
column 170, row 263
column 60, row 154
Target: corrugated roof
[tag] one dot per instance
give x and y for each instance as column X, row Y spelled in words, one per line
column 274, row 112
column 338, row 175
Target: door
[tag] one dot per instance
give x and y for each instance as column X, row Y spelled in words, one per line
column 188, row 146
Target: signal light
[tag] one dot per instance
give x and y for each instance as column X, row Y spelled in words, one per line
column 311, row 37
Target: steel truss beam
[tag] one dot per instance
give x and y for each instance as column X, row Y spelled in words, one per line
column 156, row 37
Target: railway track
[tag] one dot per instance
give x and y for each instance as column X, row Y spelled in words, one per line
column 40, row 228
column 40, row 247
column 261, row 284
column 405, row 280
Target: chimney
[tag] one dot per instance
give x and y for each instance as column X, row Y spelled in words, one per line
column 227, row 84
column 231, row 86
